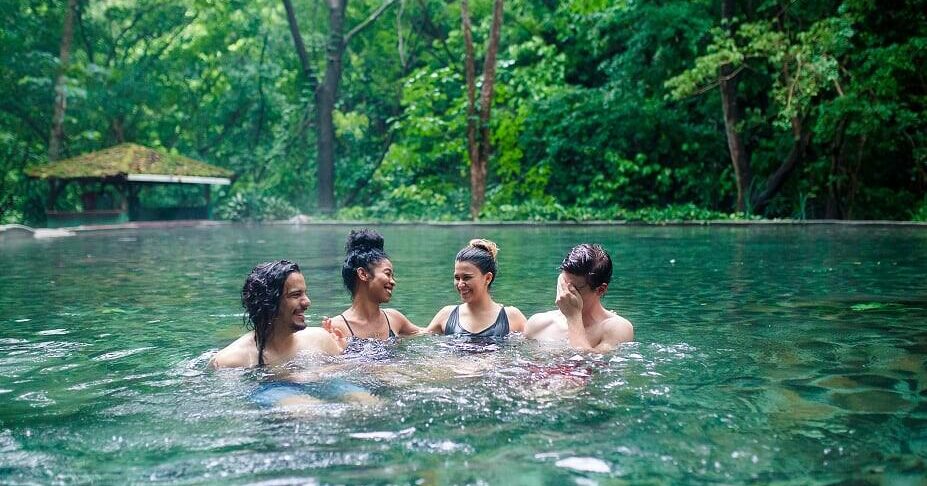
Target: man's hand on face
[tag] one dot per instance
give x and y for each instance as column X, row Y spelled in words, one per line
column 568, row 301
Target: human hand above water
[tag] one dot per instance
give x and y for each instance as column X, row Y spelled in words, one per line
column 568, row 299
column 340, row 338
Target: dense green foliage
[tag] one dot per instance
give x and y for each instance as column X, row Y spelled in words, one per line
column 603, row 109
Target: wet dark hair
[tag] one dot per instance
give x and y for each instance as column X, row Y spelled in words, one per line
column 364, row 249
column 260, row 297
column 482, row 254
column 591, row 262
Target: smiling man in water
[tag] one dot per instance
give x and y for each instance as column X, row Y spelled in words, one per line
column 580, row 319
column 275, row 300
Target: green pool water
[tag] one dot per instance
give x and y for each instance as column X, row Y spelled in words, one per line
column 789, row 355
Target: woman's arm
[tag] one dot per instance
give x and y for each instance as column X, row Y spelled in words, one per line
column 517, row 320
column 437, row 322
column 402, row 325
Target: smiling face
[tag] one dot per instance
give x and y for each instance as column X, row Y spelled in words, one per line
column 470, row 282
column 379, row 280
column 291, row 313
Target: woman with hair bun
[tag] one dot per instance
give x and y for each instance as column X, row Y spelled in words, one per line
column 368, row 274
column 479, row 316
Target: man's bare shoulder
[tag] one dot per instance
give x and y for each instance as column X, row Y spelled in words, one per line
column 314, row 339
column 618, row 329
column 242, row 353
column 546, row 317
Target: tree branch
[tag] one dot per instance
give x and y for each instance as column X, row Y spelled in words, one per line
column 88, row 46
column 112, row 52
column 40, row 132
column 399, row 41
column 373, row 16
column 300, row 46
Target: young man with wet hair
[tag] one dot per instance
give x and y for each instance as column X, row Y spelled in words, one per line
column 580, row 319
column 275, row 300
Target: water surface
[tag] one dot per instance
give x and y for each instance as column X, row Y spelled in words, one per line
column 790, row 355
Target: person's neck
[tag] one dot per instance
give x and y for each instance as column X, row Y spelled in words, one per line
column 365, row 310
column 593, row 314
column 280, row 339
column 482, row 304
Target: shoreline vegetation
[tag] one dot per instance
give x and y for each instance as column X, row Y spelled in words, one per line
column 523, row 110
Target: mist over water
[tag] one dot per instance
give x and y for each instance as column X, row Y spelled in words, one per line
column 762, row 355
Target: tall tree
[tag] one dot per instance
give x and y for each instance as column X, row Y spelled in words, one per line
column 326, row 93
column 732, row 117
column 479, row 144
column 800, row 66
column 56, row 138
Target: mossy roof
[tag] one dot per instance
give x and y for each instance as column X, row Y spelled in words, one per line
column 124, row 159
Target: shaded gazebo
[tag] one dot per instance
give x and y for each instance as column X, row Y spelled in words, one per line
column 127, row 168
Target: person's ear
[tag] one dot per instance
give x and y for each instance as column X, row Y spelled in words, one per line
column 600, row 290
column 489, row 278
column 362, row 274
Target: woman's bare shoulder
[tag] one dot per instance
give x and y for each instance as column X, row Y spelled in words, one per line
column 393, row 313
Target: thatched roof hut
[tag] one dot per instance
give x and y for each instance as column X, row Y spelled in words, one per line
column 127, row 167
column 133, row 163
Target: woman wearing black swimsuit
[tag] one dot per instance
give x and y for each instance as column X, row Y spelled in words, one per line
column 368, row 274
column 478, row 316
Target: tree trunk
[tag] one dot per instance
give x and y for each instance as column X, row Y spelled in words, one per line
column 304, row 64
column 473, row 149
column 854, row 177
column 486, row 96
column 57, row 130
column 480, row 148
column 832, row 209
column 326, row 93
column 800, row 140
column 739, row 157
column 325, row 98
column 117, row 126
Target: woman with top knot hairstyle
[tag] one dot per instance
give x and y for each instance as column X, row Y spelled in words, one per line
column 479, row 316
column 368, row 274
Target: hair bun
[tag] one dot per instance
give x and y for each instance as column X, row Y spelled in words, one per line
column 485, row 245
column 364, row 240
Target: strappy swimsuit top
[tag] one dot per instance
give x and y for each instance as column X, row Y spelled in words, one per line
column 391, row 333
column 500, row 328
column 370, row 348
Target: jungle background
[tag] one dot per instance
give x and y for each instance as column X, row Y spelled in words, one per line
column 452, row 110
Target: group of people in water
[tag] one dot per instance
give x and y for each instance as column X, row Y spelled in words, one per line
column 275, row 297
